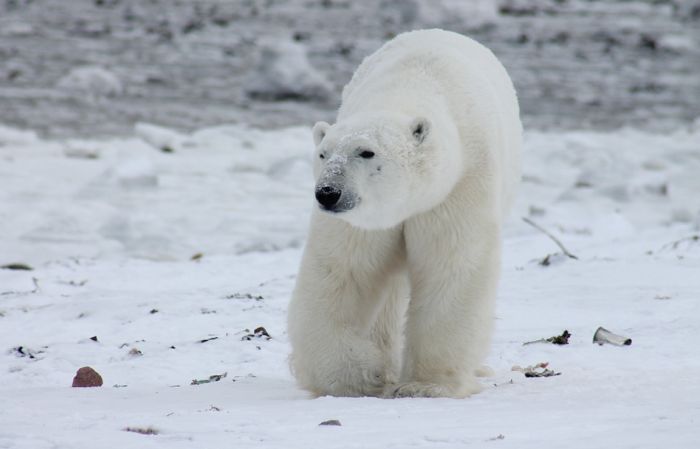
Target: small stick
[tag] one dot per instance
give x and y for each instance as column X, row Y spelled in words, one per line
column 548, row 234
column 676, row 243
column 36, row 285
column 541, row 340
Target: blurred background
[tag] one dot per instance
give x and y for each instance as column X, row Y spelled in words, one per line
column 96, row 67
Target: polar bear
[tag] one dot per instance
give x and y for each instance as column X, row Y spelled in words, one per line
column 395, row 293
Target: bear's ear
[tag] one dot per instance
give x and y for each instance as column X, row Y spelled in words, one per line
column 319, row 131
column 420, row 127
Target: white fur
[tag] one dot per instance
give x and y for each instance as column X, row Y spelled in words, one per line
column 395, row 293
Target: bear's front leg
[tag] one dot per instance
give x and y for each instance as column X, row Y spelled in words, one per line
column 331, row 358
column 454, row 270
column 340, row 291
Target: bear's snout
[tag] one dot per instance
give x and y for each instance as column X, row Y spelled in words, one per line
column 328, row 196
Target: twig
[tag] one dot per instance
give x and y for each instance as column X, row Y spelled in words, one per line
column 676, row 243
column 35, row 281
column 36, row 288
column 548, row 234
column 562, row 339
column 142, row 430
column 541, row 340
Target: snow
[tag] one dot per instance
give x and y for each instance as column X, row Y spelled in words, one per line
column 111, row 226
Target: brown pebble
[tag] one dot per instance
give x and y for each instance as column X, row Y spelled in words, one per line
column 87, row 377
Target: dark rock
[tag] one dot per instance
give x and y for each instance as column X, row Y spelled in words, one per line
column 330, row 422
column 17, row 266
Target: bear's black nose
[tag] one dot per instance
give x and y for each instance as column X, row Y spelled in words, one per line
column 328, row 196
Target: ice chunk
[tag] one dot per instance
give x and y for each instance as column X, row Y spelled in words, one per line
column 284, row 72
column 160, row 137
column 137, row 171
column 93, row 80
column 16, row 136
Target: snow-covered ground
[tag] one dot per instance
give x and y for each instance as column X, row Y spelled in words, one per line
column 110, row 228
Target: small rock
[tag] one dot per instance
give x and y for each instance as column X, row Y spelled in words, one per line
column 87, row 377
column 258, row 333
column 330, row 422
column 17, row 266
column 142, row 430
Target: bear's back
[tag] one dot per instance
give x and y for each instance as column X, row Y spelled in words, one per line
column 427, row 47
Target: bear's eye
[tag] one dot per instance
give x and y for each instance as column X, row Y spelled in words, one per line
column 366, row 154
column 321, row 156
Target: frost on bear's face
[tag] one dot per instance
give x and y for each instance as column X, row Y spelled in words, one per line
column 376, row 171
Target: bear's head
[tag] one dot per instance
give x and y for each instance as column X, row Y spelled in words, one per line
column 377, row 170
